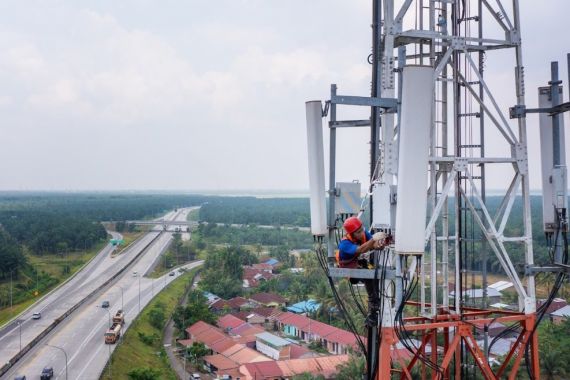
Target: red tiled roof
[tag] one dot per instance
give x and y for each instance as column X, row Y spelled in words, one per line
column 185, row 342
column 249, row 273
column 330, row 333
column 246, row 330
column 342, row 337
column 298, row 366
column 237, row 302
column 242, row 315
column 299, row 352
column 292, row 319
column 198, row 327
column 245, row 339
column 228, row 322
column 266, row 298
column 205, row 333
column 220, row 362
column 242, row 354
column 220, row 304
column 234, row 373
column 267, row 312
column 288, row 368
column 222, row 345
column 262, row 370
column 210, row 337
column 321, row 329
column 329, row 364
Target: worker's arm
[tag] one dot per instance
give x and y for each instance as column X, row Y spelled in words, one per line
column 369, row 246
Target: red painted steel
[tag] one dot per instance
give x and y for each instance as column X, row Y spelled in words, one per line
column 446, row 325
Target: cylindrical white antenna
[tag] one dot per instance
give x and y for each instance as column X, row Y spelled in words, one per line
column 417, row 100
column 316, row 167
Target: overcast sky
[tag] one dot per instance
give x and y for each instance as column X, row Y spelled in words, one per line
column 187, row 95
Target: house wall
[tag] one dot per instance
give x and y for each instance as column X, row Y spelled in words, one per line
column 267, row 350
column 285, row 353
column 289, row 330
column 558, row 320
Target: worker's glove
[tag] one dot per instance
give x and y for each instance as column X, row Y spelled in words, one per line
column 379, row 236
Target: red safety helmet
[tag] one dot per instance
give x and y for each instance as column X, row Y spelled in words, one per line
column 352, row 224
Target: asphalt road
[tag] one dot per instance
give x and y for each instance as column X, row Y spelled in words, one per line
column 81, row 334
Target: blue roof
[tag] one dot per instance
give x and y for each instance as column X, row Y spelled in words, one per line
column 304, row 306
column 272, row 261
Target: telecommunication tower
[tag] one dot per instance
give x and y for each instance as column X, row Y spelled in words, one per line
column 433, row 116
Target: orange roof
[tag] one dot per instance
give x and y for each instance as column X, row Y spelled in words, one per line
column 329, row 364
column 237, row 302
column 198, row 327
column 242, row 354
column 321, row 329
column 298, row 366
column 222, row 345
column 228, row 322
column 292, row 319
column 298, row 352
column 325, row 365
column 247, row 330
column 343, row 337
column 185, row 342
column 261, row 370
column 220, row 362
column 234, row 373
column 266, row 298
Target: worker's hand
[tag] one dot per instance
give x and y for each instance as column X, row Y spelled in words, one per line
column 379, row 236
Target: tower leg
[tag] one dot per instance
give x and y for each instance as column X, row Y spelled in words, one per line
column 387, row 340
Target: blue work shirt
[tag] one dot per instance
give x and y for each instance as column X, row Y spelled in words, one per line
column 347, row 249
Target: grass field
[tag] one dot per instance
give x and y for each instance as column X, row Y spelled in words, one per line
column 132, row 352
column 50, row 272
column 193, row 215
column 128, row 239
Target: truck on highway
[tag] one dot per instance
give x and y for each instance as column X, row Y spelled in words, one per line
column 114, row 333
column 119, row 317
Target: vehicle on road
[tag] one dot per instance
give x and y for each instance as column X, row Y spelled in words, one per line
column 119, row 317
column 36, row 315
column 21, row 377
column 114, row 333
column 105, row 304
column 135, row 274
column 47, row 373
column 172, row 274
column 195, row 376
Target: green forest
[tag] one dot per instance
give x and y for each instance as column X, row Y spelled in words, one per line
column 250, row 211
column 50, row 223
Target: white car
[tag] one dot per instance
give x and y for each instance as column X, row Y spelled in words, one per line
column 36, row 315
column 135, row 274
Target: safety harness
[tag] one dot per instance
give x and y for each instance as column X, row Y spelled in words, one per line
column 352, row 262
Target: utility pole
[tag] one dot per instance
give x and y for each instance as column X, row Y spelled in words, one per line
column 11, row 291
column 20, row 328
column 139, row 294
column 65, row 353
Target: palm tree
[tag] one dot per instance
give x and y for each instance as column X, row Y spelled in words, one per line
column 354, row 368
column 551, row 364
column 324, row 297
